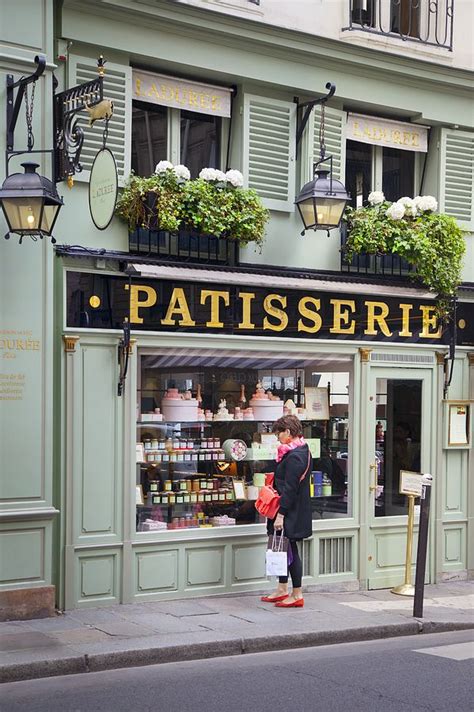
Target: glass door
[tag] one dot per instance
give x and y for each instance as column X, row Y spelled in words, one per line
column 399, row 438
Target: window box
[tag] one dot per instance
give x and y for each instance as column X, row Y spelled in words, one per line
column 183, row 246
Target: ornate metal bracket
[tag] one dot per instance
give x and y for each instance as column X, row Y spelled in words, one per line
column 13, row 105
column 453, row 335
column 309, row 106
column 123, row 356
column 68, row 136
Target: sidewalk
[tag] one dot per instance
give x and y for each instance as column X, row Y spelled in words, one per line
column 94, row 639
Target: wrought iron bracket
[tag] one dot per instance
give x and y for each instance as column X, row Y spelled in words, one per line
column 123, row 356
column 453, row 335
column 308, row 106
column 68, row 136
column 14, row 104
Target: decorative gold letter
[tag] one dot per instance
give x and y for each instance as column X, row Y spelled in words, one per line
column 214, row 323
column 405, row 330
column 246, row 322
column 178, row 306
column 429, row 319
column 341, row 316
column 274, row 311
column 372, row 317
column 135, row 303
column 311, row 314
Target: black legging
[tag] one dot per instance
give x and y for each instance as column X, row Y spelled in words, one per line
column 295, row 568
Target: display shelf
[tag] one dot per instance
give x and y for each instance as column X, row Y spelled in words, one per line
column 195, row 423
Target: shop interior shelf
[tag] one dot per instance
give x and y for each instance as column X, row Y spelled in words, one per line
column 194, row 423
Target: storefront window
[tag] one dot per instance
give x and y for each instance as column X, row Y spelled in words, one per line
column 199, row 141
column 149, row 137
column 204, row 440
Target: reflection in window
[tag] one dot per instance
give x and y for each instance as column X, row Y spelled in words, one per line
column 149, row 137
column 398, row 173
column 358, row 172
column 397, row 441
column 199, row 141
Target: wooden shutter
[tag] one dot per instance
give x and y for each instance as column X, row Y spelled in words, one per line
column 269, row 150
column 457, row 176
column 334, row 137
column 118, row 88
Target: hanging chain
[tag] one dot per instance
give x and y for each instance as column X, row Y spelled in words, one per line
column 106, row 132
column 322, row 146
column 29, row 116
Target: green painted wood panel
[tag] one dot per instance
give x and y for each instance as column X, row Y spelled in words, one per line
column 22, row 555
column 157, row 571
column 248, row 562
column 205, row 566
column 97, row 577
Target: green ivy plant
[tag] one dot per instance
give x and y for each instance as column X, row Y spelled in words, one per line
column 215, row 203
column 432, row 242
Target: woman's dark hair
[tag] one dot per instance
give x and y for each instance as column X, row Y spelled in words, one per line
column 288, row 422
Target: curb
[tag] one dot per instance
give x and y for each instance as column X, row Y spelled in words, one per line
column 199, row 651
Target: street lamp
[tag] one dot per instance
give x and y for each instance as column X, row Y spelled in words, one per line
column 30, row 203
column 321, row 202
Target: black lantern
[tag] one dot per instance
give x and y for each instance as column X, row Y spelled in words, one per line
column 321, row 202
column 30, row 203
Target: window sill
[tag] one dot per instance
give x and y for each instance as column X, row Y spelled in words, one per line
column 390, row 44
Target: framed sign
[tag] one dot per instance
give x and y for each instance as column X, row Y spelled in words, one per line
column 316, row 403
column 139, row 499
column 457, row 424
column 411, row 483
column 103, row 188
column 239, row 489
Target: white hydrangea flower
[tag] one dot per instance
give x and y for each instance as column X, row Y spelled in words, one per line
column 181, row 171
column 235, row 178
column 208, row 174
column 411, row 207
column 221, row 177
column 163, row 166
column 376, row 197
column 426, row 203
column 396, row 211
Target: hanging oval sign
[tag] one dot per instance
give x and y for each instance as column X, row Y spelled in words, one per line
column 103, row 188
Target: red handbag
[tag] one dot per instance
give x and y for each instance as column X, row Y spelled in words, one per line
column 268, row 500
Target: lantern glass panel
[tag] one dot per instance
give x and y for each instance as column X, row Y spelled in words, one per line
column 50, row 213
column 307, row 212
column 23, row 214
column 329, row 211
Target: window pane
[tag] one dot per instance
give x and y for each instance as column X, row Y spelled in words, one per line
column 358, row 171
column 199, row 141
column 398, row 173
column 397, row 441
column 149, row 137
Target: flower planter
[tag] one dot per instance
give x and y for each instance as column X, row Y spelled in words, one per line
column 183, row 246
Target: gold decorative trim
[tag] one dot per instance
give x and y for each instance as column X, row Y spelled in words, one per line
column 70, row 343
column 365, row 355
column 471, row 359
column 440, row 357
column 131, row 345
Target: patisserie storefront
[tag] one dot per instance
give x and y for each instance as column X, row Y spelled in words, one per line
column 159, row 482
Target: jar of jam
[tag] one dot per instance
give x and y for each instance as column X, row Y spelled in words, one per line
column 195, row 485
column 175, row 444
column 201, row 496
column 164, row 498
column 217, row 443
column 156, row 499
column 171, row 498
column 147, row 444
column 229, row 496
column 190, row 445
column 161, row 444
column 154, row 444
column 208, row 497
column 193, row 497
column 221, row 495
column 202, row 484
column 154, row 486
column 183, row 485
column 215, row 496
column 168, row 485
column 179, row 498
column 186, row 497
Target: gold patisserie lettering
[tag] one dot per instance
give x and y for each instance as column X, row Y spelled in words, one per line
column 136, row 304
column 405, row 330
column 311, row 314
column 247, row 298
column 379, row 318
column 341, row 322
column 178, row 306
column 273, row 311
column 215, row 322
column 431, row 329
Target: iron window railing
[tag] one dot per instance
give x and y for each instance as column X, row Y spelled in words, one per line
column 387, row 265
column 184, row 247
column 427, row 21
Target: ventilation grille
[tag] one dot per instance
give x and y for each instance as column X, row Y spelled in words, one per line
column 335, row 555
column 403, row 358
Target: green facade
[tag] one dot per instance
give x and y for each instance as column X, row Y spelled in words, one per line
column 67, row 504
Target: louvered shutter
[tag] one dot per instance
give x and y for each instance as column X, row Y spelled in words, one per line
column 334, row 138
column 118, row 88
column 457, row 176
column 269, row 150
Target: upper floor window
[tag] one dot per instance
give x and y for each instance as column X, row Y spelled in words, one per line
column 149, row 137
column 424, row 21
column 200, row 141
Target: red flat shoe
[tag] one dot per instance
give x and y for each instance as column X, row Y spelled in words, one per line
column 299, row 603
column 267, row 599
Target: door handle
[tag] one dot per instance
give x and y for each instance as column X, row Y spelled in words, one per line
column 373, row 468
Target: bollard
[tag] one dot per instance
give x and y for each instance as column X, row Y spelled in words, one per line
column 422, row 546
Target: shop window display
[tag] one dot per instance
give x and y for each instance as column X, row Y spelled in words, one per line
column 204, row 440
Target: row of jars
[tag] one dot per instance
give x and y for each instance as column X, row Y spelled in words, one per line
column 220, row 495
column 186, row 485
column 170, row 444
column 182, row 456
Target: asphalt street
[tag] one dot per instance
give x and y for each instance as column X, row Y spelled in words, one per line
column 430, row 672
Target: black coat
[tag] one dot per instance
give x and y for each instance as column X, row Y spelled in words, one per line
column 295, row 503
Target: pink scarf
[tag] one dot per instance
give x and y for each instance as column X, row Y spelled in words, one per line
column 284, row 448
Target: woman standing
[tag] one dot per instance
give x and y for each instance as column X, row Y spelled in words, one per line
column 294, row 517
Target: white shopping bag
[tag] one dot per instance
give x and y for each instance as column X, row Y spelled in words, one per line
column 276, row 560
